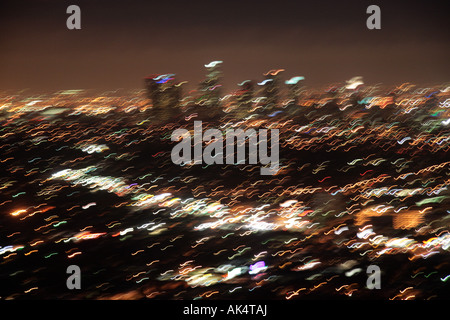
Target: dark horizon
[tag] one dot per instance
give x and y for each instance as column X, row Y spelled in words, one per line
column 121, row 43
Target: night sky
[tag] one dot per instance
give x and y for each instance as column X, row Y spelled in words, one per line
column 121, row 42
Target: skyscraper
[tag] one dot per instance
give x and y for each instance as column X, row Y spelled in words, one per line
column 294, row 88
column 271, row 89
column 165, row 93
column 210, row 88
column 244, row 98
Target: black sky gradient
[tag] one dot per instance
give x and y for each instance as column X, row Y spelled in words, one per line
column 123, row 41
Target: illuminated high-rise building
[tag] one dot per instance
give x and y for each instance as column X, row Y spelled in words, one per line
column 294, row 88
column 271, row 89
column 165, row 93
column 244, row 97
column 163, row 90
column 210, row 88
